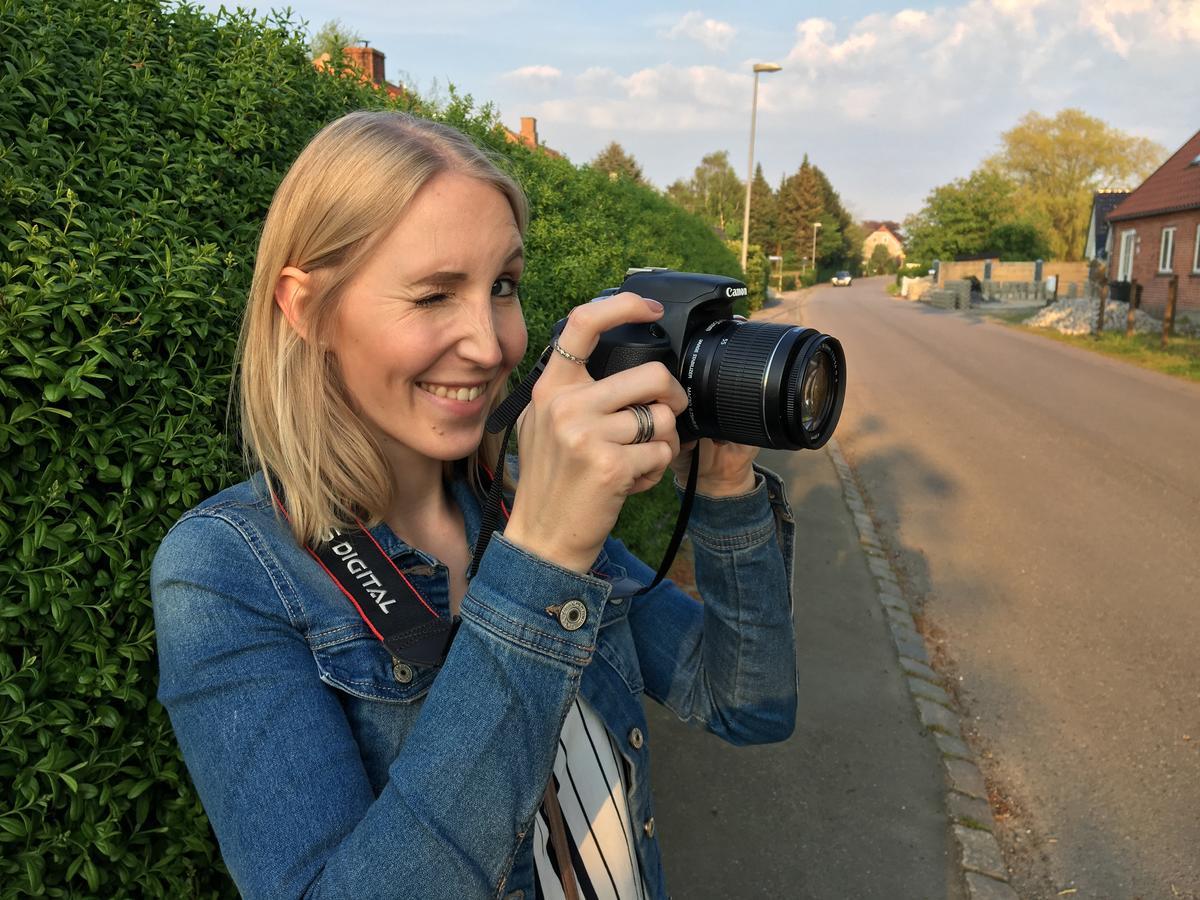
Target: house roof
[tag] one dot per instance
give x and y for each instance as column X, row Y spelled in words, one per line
column 870, row 226
column 1103, row 203
column 1174, row 186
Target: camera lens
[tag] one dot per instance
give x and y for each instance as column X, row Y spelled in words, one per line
column 767, row 385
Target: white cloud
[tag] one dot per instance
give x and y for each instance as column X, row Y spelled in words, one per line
column 540, row 76
column 711, row 33
column 913, row 98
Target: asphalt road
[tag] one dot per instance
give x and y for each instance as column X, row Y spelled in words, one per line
column 1042, row 504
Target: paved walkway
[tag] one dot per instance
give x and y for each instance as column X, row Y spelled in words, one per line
column 853, row 805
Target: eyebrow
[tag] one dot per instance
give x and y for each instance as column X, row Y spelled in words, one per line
column 456, row 277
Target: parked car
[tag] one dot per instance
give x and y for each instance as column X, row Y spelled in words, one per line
column 841, row 279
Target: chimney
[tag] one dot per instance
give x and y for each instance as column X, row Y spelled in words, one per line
column 529, row 136
column 368, row 59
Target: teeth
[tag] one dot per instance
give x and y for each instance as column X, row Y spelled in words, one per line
column 455, row 393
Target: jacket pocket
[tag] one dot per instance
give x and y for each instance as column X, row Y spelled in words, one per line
column 356, row 662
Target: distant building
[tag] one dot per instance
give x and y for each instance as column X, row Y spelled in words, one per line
column 1103, row 203
column 885, row 233
column 369, row 62
column 529, row 137
column 1154, row 233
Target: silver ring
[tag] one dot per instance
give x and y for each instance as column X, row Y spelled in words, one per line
column 581, row 360
column 645, row 423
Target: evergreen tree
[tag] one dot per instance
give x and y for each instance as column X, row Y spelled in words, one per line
column 764, row 214
column 800, row 205
column 614, row 160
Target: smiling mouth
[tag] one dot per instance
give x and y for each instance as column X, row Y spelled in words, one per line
column 453, row 393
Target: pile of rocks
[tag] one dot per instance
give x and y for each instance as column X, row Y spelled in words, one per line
column 1078, row 316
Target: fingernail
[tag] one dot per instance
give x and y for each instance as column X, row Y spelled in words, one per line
column 655, row 306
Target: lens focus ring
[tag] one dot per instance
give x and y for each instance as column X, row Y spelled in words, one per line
column 738, row 385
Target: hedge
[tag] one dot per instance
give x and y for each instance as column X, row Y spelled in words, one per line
column 139, row 149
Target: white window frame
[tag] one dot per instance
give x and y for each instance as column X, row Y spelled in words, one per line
column 1166, row 251
column 1128, row 248
column 1196, row 253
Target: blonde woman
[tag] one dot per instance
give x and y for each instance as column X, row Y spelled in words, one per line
column 383, row 321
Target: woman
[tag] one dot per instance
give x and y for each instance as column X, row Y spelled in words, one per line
column 382, row 324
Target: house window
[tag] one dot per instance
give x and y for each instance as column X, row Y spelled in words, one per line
column 1166, row 250
column 1125, row 263
column 1196, row 253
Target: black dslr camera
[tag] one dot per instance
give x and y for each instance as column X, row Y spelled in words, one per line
column 777, row 386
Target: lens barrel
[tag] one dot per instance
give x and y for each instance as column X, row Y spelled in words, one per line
column 778, row 386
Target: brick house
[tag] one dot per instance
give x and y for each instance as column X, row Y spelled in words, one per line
column 1154, row 234
column 885, row 233
column 529, row 137
column 369, row 63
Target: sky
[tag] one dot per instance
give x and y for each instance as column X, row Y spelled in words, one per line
column 889, row 98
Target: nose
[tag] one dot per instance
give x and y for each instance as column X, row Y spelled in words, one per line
column 478, row 340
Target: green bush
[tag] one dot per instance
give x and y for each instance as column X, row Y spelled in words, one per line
column 789, row 282
column 139, row 149
column 756, row 276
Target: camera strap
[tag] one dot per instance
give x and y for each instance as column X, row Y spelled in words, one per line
column 394, row 611
column 505, row 416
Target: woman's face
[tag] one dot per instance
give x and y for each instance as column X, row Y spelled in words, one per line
column 429, row 330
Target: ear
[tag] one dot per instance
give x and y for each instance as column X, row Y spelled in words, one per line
column 291, row 291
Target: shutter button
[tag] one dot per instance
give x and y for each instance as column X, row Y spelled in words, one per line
column 402, row 671
column 572, row 615
column 635, row 738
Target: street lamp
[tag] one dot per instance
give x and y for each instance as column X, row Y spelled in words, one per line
column 758, row 67
column 815, row 226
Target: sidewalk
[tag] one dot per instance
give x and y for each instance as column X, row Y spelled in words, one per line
column 853, row 804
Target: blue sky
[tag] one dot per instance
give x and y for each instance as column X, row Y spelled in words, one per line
column 889, row 98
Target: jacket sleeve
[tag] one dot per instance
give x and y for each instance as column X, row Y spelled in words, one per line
column 276, row 765
column 727, row 664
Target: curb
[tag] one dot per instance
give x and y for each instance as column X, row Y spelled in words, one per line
column 967, row 806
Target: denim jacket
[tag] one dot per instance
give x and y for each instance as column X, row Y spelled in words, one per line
column 327, row 769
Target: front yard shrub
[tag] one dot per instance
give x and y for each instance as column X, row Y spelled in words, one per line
column 139, row 148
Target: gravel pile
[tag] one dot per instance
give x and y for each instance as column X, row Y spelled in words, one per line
column 1078, row 316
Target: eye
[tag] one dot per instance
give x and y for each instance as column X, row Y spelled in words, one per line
column 432, row 299
column 504, row 286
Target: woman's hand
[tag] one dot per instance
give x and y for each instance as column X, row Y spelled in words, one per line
column 578, row 459
column 725, row 469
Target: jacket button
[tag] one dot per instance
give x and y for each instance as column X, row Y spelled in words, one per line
column 572, row 615
column 649, row 827
column 635, row 738
column 402, row 671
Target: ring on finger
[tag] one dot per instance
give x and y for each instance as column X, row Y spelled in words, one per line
column 579, row 360
column 645, row 423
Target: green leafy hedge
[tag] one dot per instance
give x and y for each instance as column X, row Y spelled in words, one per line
column 139, row 149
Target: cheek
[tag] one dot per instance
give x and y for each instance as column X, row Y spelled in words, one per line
column 514, row 339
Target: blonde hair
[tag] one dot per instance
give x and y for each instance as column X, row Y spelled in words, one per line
column 342, row 195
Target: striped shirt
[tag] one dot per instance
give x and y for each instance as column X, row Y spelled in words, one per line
column 590, row 779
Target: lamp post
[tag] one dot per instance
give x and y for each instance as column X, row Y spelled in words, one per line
column 758, row 67
column 815, row 226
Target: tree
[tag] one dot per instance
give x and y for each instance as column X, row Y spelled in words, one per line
column 714, row 193
column 958, row 218
column 332, row 37
column 880, row 258
column 800, row 205
column 1058, row 163
column 764, row 214
column 618, row 164
column 1018, row 241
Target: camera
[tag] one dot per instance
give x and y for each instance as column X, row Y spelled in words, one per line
column 756, row 383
